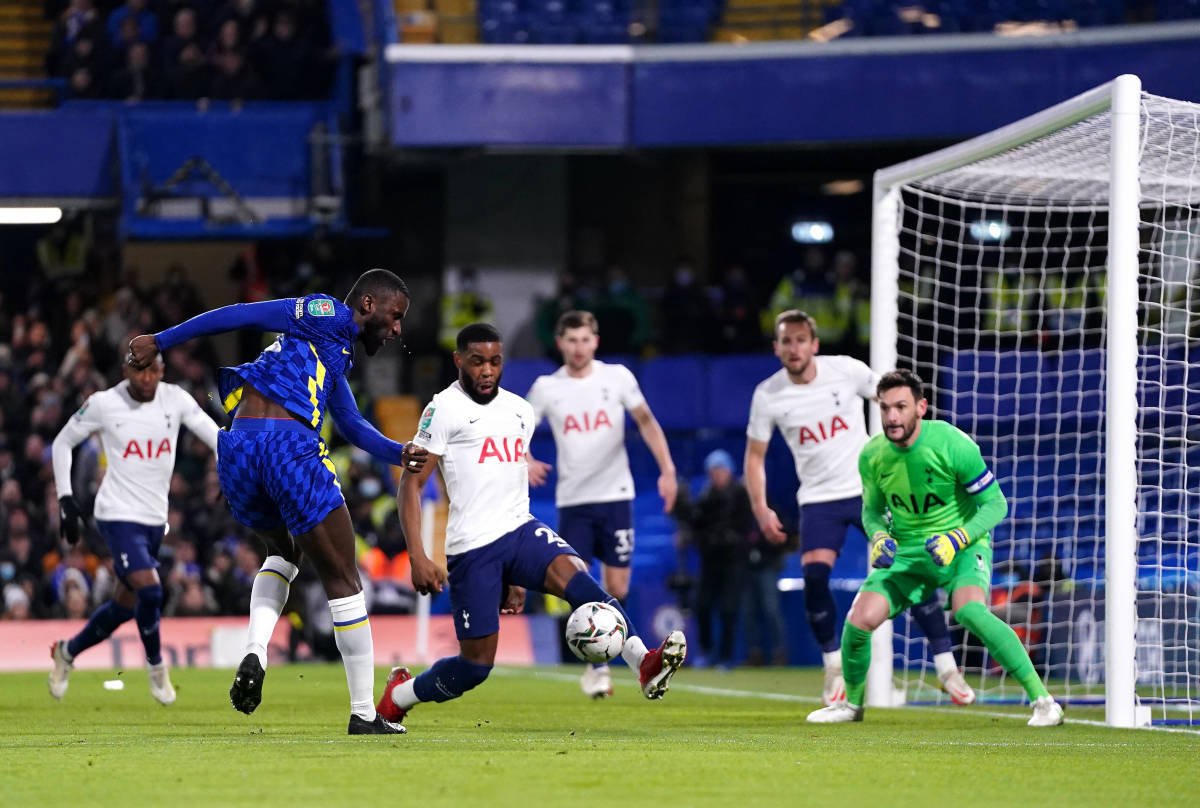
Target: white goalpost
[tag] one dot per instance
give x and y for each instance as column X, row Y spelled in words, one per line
column 1044, row 281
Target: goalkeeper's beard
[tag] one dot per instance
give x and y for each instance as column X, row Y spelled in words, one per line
column 906, row 434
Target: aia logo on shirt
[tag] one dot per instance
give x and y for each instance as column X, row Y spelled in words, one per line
column 147, row 451
column 501, row 451
column 587, row 424
column 820, row 433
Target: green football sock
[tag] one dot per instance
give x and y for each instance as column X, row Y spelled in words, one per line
column 1003, row 644
column 856, row 658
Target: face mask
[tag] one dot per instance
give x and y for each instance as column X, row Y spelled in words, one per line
column 8, row 571
column 370, row 488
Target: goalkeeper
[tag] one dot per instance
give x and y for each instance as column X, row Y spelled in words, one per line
column 929, row 503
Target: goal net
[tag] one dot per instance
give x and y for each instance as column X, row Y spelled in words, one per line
column 1061, row 329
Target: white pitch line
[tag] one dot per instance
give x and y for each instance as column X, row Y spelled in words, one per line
column 792, row 697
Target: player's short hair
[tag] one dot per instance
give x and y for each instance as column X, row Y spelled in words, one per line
column 796, row 316
column 901, row 377
column 477, row 332
column 576, row 319
column 378, row 283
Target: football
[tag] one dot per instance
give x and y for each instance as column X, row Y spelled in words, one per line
column 596, row 632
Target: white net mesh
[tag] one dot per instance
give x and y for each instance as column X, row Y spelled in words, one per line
column 1002, row 313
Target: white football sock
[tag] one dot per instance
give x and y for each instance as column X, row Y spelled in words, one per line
column 634, row 652
column 944, row 663
column 352, row 632
column 267, row 598
column 832, row 659
column 404, row 695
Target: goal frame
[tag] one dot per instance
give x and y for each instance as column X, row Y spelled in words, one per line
column 1122, row 97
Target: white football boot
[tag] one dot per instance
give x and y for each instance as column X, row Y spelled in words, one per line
column 1046, row 713
column 839, row 712
column 956, row 686
column 596, row 682
column 160, row 684
column 61, row 672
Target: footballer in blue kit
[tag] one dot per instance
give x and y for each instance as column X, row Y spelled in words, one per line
column 275, row 470
column 477, row 433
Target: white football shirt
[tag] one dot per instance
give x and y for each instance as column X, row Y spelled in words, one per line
column 587, row 417
column 139, row 440
column 482, row 459
column 822, row 422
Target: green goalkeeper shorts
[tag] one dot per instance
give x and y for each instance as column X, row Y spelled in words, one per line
column 914, row 576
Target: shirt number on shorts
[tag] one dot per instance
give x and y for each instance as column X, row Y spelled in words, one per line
column 551, row 537
column 624, row 548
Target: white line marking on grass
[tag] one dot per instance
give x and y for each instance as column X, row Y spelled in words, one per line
column 792, row 697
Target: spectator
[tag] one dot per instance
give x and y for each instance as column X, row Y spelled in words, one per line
column 463, row 303
column 683, row 305
column 282, row 59
column 136, row 81
column 720, row 522
column 737, row 314
column 189, row 77
column 184, row 33
column 764, row 561
column 146, row 24
column 78, row 19
column 623, row 315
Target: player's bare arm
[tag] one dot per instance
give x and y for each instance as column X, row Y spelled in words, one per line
column 754, row 464
column 427, row 577
column 654, row 437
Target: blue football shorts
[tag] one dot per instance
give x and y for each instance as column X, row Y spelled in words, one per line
column 602, row 530
column 477, row 577
column 277, row 471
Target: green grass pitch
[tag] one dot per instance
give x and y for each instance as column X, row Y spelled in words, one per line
column 529, row 737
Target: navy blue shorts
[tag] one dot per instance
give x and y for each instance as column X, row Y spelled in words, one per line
column 134, row 547
column 477, row 577
column 603, row 530
column 276, row 471
column 824, row 524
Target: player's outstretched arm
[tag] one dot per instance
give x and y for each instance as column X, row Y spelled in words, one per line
column 359, row 431
column 427, row 577
column 656, row 439
column 269, row 315
column 755, row 467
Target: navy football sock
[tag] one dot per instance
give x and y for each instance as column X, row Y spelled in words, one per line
column 149, row 605
column 582, row 588
column 102, row 624
column 933, row 623
column 818, row 602
column 449, row 678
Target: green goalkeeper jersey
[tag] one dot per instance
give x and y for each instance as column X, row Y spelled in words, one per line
column 937, row 484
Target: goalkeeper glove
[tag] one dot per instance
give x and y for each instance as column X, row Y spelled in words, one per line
column 943, row 546
column 883, row 550
column 70, row 520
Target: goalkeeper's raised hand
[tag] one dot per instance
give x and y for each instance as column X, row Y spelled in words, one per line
column 883, row 550
column 944, row 546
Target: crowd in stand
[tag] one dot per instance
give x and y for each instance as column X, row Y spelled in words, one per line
column 136, row 50
column 733, row 315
